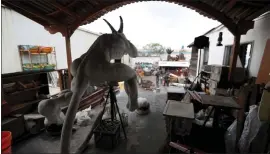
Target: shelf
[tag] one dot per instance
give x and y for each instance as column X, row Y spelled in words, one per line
column 28, row 89
column 26, row 73
column 42, row 53
column 23, row 105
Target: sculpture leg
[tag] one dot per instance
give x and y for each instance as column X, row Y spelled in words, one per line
column 78, row 90
column 51, row 110
column 132, row 92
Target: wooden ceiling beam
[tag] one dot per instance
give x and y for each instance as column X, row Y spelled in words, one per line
column 258, row 13
column 243, row 26
column 65, row 9
column 201, row 6
column 229, row 5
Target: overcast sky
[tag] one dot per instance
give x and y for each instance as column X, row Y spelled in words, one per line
column 156, row 22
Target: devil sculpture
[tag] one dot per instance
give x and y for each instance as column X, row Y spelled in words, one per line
column 94, row 67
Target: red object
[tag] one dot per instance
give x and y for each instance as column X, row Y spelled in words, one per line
column 185, row 148
column 6, row 142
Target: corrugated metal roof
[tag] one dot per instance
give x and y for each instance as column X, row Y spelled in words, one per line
column 57, row 15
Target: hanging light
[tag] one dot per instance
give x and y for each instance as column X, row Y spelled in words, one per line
column 220, row 39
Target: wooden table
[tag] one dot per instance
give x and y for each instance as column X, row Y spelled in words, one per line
column 172, row 111
column 176, row 109
column 218, row 103
column 179, row 109
column 175, row 93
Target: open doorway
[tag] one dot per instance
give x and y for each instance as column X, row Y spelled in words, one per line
column 244, row 54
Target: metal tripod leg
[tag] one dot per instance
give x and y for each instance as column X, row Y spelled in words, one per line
column 117, row 108
column 114, row 104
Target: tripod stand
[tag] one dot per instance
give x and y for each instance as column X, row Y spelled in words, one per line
column 114, row 105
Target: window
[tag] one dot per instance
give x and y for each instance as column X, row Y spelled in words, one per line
column 227, row 54
column 244, row 54
column 205, row 56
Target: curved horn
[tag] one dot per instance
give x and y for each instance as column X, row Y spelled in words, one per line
column 121, row 25
column 113, row 30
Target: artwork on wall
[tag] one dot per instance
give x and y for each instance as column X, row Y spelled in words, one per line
column 37, row 58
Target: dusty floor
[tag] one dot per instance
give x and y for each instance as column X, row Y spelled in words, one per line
column 146, row 134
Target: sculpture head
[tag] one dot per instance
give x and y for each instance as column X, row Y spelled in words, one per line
column 117, row 43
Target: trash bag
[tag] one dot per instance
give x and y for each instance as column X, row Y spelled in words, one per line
column 230, row 136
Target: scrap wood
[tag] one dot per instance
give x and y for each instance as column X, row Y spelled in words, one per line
column 89, row 136
column 195, row 96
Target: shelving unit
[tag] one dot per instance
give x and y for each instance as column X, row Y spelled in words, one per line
column 204, row 80
column 36, row 58
column 22, row 99
column 215, row 77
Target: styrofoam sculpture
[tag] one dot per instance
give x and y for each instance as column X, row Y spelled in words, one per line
column 94, row 67
column 143, row 106
column 51, row 108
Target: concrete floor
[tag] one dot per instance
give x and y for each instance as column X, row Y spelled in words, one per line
column 146, row 134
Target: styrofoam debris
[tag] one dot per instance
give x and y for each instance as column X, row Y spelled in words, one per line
column 83, row 117
column 142, row 102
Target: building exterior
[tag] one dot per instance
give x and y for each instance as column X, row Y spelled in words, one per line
column 19, row 30
column 253, row 43
column 152, row 60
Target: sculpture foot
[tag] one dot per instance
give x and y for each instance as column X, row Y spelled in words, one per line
column 132, row 106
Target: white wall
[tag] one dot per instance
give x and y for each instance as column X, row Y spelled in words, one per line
column 258, row 35
column 19, row 30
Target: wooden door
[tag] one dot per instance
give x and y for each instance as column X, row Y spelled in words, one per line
column 264, row 71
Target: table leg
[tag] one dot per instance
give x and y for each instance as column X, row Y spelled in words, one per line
column 207, row 118
column 216, row 116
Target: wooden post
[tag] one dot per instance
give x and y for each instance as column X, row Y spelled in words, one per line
column 264, row 71
column 69, row 58
column 234, row 55
column 60, row 81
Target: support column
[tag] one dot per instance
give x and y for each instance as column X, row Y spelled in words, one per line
column 234, row 55
column 69, row 58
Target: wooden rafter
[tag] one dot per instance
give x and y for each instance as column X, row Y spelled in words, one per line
column 243, row 14
column 67, row 6
column 93, row 2
column 65, row 9
column 34, row 13
column 229, row 5
column 252, row 3
column 259, row 12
